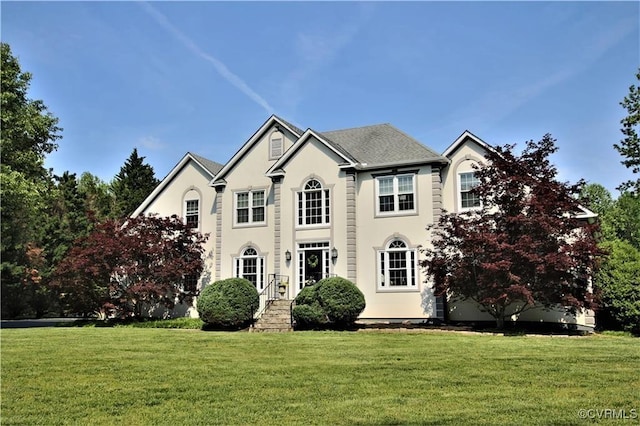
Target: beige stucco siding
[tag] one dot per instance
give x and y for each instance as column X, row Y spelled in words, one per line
column 314, row 160
column 374, row 231
column 462, row 160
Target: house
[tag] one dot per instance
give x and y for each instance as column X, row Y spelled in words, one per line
column 297, row 205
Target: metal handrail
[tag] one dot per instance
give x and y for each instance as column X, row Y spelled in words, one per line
column 270, row 293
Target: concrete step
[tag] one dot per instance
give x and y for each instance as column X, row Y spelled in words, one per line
column 276, row 318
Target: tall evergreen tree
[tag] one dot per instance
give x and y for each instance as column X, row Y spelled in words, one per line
column 28, row 133
column 629, row 147
column 132, row 185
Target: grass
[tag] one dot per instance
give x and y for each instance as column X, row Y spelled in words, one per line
column 136, row 376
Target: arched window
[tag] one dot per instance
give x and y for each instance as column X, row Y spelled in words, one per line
column 313, row 204
column 191, row 209
column 397, row 266
column 250, row 266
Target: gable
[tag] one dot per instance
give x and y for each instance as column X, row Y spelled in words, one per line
column 260, row 137
column 192, row 168
column 316, row 139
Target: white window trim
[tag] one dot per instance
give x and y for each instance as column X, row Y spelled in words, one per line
column 238, row 266
column 459, row 192
column 276, row 136
column 250, row 207
column 412, row 272
column 325, row 196
column 396, row 199
column 184, row 209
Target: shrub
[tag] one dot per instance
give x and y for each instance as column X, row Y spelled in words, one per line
column 309, row 316
column 336, row 302
column 228, row 303
column 341, row 300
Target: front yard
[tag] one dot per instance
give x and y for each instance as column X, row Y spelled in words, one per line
column 157, row 376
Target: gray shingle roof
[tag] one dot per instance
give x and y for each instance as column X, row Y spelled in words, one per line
column 381, row 144
column 297, row 129
column 211, row 166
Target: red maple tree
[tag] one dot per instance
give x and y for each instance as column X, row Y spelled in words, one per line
column 126, row 269
column 525, row 245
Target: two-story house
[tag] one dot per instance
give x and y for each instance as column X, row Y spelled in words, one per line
column 299, row 205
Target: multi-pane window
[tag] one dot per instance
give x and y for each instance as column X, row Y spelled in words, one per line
column 250, row 266
column 313, row 204
column 396, row 194
column 468, row 198
column 192, row 213
column 250, row 207
column 397, row 266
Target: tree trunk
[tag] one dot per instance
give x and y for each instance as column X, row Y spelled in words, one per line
column 500, row 322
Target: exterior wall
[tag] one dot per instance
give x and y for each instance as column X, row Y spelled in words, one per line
column 373, row 234
column 461, row 161
column 469, row 311
column 192, row 182
column 248, row 174
column 313, row 161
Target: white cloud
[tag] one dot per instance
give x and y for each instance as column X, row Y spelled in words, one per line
column 151, row 143
column 220, row 67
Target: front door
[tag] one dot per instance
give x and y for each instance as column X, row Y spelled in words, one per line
column 313, row 265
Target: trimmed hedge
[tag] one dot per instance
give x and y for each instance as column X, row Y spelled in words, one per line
column 229, row 303
column 335, row 302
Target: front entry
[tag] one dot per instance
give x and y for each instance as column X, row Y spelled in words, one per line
column 313, row 263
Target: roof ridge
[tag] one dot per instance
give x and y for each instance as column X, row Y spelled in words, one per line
column 358, row 127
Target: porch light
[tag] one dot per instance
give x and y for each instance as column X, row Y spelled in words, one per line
column 334, row 253
column 287, row 256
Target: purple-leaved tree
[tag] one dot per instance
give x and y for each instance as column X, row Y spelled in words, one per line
column 524, row 246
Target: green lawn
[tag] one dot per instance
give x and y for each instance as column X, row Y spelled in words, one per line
column 133, row 376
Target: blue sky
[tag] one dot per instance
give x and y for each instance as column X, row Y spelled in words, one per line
column 170, row 77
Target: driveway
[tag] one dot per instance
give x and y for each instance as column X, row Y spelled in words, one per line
column 30, row 323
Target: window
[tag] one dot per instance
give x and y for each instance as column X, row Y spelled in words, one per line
column 397, row 267
column 250, row 207
column 192, row 213
column 313, row 204
column 396, row 194
column 250, row 266
column 276, row 145
column 468, row 199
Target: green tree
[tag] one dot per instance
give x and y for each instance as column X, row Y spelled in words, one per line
column 97, row 195
column 618, row 286
column 625, row 218
column 28, row 132
column 132, row 185
column 629, row 147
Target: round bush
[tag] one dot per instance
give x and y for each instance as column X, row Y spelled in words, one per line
column 228, row 303
column 331, row 301
column 309, row 316
column 341, row 300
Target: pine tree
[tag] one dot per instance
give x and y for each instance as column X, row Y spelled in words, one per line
column 132, row 185
column 629, row 147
